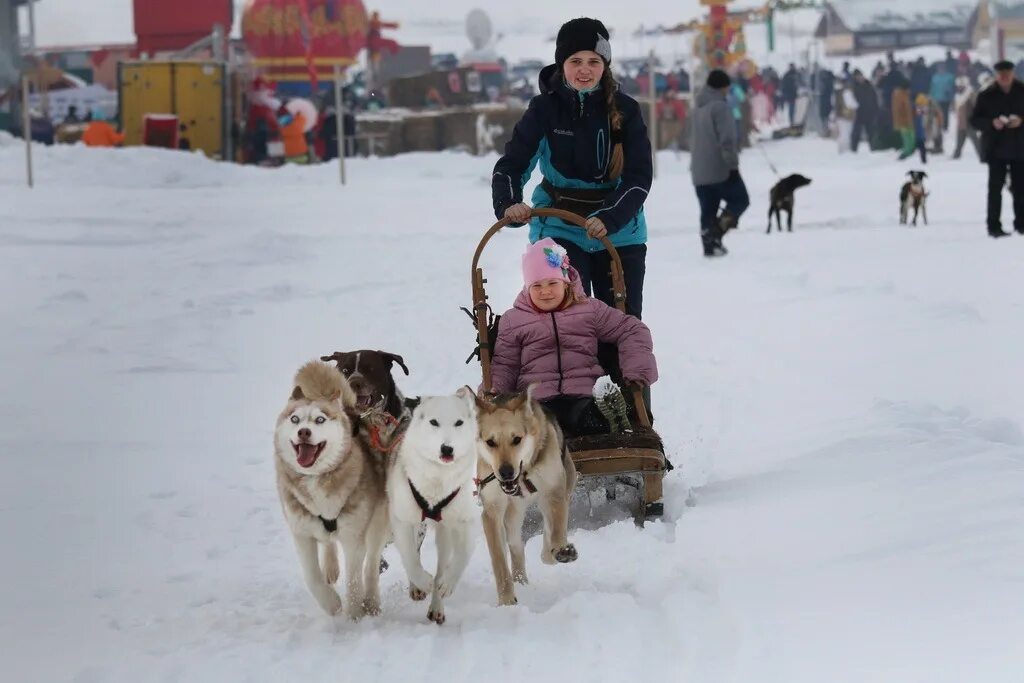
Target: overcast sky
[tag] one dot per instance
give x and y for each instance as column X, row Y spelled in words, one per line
column 69, row 22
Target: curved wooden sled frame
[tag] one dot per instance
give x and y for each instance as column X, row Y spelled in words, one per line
column 647, row 463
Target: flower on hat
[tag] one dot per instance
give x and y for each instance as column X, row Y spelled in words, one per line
column 557, row 257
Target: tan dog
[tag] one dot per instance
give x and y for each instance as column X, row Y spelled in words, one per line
column 522, row 459
column 331, row 489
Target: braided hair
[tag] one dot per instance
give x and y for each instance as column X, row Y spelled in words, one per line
column 610, row 86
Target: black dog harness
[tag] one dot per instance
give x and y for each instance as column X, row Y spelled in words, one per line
column 428, row 511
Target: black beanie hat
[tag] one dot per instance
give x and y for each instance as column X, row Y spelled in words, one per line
column 1004, row 65
column 582, row 34
column 718, row 79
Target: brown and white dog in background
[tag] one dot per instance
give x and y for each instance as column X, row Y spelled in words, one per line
column 913, row 196
column 369, row 375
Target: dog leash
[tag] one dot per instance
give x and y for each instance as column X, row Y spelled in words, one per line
column 760, row 146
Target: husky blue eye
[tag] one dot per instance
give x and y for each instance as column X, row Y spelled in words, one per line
column 320, row 420
column 435, row 423
column 516, row 440
column 295, row 419
column 458, row 423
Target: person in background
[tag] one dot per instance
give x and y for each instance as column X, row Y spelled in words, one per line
column 963, row 106
column 866, row 108
column 293, row 135
column 100, row 133
column 826, row 92
column 72, row 116
column 846, row 114
column 903, row 114
column 998, row 116
column 789, row 89
column 715, row 163
column 943, row 91
column 927, row 118
column 920, row 78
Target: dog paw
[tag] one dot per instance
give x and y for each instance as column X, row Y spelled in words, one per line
column 416, row 594
column 566, row 554
column 507, row 600
column 436, row 616
column 356, row 610
column 371, row 606
column 330, row 601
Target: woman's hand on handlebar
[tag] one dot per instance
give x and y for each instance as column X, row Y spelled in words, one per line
column 520, row 213
column 595, row 228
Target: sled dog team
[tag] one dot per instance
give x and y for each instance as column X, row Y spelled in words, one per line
column 350, row 477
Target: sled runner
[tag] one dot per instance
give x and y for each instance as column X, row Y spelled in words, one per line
column 637, row 458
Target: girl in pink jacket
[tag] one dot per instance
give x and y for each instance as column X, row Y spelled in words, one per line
column 549, row 339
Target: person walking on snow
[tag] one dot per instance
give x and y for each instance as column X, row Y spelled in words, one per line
column 715, row 163
column 591, row 144
column 998, row 116
column 943, row 90
column 866, row 119
column 846, row 114
column 903, row 115
column 964, row 106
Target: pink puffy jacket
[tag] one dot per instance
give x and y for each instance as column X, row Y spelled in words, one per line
column 557, row 351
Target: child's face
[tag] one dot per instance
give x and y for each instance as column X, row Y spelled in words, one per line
column 583, row 70
column 547, row 295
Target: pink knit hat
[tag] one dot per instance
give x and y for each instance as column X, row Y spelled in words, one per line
column 545, row 260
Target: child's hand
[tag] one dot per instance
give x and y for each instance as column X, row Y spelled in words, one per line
column 520, row 213
column 595, row 228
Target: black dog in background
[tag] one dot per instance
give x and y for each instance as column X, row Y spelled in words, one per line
column 781, row 199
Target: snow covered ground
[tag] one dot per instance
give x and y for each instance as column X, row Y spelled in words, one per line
column 843, row 405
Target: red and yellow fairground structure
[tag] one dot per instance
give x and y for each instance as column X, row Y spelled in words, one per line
column 723, row 44
column 299, row 42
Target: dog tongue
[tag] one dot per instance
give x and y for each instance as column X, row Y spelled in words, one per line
column 306, row 454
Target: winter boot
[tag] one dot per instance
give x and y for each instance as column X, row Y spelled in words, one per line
column 612, row 405
column 726, row 222
column 711, row 238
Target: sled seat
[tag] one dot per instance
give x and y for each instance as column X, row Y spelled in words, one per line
column 640, row 454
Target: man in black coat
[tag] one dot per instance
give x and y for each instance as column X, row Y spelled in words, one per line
column 866, row 118
column 998, row 115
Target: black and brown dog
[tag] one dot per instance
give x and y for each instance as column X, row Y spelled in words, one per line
column 913, row 196
column 781, row 199
column 369, row 375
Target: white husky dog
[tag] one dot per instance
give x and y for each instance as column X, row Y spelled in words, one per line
column 431, row 478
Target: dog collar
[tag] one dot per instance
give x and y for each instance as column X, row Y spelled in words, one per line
column 428, row 511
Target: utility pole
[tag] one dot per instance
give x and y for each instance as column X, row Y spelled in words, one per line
column 26, row 116
column 339, row 112
column 26, row 128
